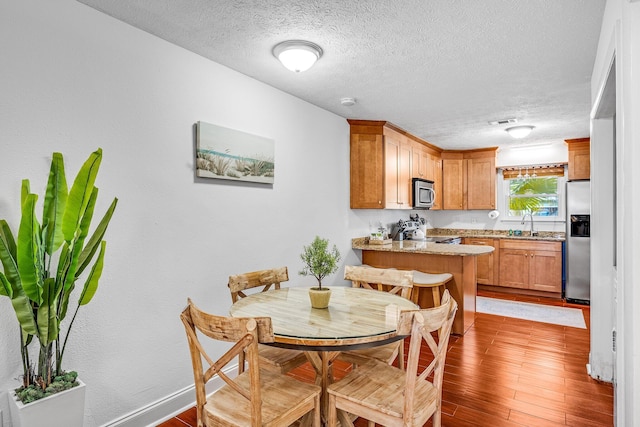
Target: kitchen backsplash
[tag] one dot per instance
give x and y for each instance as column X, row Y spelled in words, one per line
column 363, row 221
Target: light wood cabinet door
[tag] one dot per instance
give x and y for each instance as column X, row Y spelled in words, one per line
column 434, row 173
column 420, row 160
column 545, row 271
column 514, row 268
column 397, row 172
column 453, row 183
column 487, row 264
column 531, row 264
column 481, row 183
column 579, row 158
column 367, row 171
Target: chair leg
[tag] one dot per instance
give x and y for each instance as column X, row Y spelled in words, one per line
column 316, row 411
column 371, row 424
column 437, row 418
column 332, row 420
column 435, row 291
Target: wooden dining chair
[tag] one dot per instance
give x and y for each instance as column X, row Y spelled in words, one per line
column 394, row 281
column 389, row 396
column 257, row 397
column 278, row 359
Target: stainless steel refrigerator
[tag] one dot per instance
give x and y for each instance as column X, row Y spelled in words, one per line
column 577, row 250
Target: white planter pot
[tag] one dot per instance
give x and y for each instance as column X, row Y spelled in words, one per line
column 65, row 409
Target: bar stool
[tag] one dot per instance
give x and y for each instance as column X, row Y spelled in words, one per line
column 429, row 280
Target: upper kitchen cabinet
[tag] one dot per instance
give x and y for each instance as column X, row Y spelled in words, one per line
column 381, row 166
column 398, row 153
column 469, row 179
column 579, row 158
column 453, row 181
column 427, row 164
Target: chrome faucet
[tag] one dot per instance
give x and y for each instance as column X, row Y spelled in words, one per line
column 530, row 215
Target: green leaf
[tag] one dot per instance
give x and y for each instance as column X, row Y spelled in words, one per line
column 54, row 204
column 78, row 241
column 6, row 289
column 46, row 317
column 94, row 241
column 21, row 305
column 24, row 191
column 29, row 251
column 8, row 253
column 91, row 285
column 80, row 194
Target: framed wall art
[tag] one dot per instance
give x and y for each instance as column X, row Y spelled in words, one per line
column 224, row 153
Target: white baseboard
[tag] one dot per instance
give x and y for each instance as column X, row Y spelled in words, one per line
column 166, row 408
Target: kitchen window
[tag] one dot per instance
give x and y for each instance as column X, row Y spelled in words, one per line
column 540, row 193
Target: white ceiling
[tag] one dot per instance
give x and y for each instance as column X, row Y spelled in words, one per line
column 440, row 69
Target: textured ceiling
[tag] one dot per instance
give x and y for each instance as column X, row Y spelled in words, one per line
column 440, row 69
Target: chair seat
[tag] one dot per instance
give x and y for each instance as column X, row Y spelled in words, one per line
column 386, row 353
column 280, row 359
column 424, row 279
column 281, row 396
column 380, row 388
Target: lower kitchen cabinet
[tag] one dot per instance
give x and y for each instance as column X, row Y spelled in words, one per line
column 531, row 264
column 488, row 264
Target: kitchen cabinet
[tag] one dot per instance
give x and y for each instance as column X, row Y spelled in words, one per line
column 469, row 179
column 530, row 264
column 453, row 182
column 481, row 182
column 428, row 165
column 382, row 163
column 398, row 154
column 434, row 173
column 579, row 158
column 488, row 264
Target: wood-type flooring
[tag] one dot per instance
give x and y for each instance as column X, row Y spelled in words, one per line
column 507, row 372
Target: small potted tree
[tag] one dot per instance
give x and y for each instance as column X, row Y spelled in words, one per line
column 319, row 261
column 40, row 266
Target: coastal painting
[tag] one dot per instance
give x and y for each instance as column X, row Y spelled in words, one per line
column 224, row 153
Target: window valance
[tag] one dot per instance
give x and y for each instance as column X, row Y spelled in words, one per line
column 534, row 171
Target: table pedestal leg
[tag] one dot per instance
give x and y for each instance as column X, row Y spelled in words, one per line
column 322, row 363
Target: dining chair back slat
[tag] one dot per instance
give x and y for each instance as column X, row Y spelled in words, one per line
column 265, row 278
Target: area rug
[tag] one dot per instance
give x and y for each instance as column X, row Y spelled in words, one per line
column 572, row 317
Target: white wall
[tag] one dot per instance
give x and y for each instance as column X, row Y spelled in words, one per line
column 620, row 36
column 73, row 79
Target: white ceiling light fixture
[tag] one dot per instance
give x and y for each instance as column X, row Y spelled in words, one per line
column 297, row 55
column 519, row 132
column 348, row 102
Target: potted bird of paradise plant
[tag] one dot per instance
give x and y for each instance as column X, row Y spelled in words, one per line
column 41, row 264
column 319, row 261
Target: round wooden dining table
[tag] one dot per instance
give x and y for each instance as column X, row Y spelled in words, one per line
column 356, row 318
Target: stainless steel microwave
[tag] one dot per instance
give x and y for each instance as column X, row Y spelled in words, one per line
column 423, row 193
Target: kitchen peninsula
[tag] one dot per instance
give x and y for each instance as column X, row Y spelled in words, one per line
column 428, row 257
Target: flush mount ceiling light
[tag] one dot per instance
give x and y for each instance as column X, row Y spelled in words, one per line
column 348, row 102
column 519, row 132
column 297, row 55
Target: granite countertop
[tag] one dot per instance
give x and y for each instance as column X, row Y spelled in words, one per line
column 413, row 246
column 550, row 236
